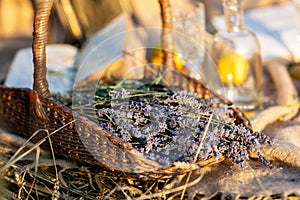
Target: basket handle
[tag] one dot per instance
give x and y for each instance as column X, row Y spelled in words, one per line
column 40, row 36
column 167, row 38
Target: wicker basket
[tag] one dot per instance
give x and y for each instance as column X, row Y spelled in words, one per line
column 23, row 111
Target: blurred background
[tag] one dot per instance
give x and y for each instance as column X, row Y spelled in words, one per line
column 75, row 21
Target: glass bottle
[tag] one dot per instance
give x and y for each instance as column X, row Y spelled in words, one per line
column 236, row 52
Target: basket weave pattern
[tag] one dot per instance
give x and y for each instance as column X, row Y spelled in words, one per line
column 24, row 111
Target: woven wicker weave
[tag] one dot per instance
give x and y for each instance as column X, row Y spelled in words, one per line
column 23, row 111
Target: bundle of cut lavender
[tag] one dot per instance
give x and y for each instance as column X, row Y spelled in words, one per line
column 170, row 125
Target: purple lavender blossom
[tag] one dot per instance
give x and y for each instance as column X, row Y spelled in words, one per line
column 169, row 126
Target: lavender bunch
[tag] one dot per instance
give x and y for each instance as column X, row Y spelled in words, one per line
column 168, row 126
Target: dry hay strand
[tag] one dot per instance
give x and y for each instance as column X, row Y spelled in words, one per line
column 57, row 181
column 24, row 183
column 24, row 180
column 19, row 181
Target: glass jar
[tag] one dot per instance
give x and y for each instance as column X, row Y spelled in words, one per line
column 236, row 52
column 189, row 21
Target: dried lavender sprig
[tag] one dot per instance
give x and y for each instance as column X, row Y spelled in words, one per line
column 168, row 126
